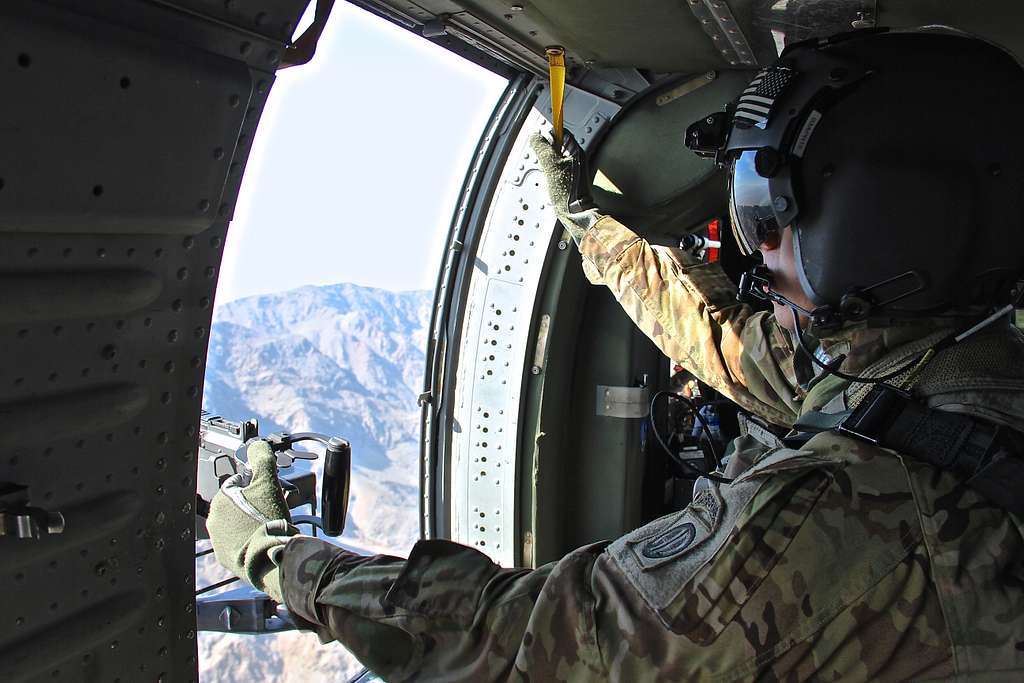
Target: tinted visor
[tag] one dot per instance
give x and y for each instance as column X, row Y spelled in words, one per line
column 750, row 204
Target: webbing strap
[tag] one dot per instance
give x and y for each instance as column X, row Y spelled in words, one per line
column 556, row 74
column 985, row 456
column 944, row 439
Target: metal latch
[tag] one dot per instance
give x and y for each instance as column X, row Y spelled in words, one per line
column 628, row 402
column 436, row 27
column 20, row 520
column 244, row 610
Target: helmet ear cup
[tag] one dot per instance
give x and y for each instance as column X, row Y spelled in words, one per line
column 887, row 186
column 879, row 216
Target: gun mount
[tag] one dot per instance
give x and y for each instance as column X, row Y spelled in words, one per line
column 222, row 453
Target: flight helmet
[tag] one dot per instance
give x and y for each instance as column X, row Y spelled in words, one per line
column 896, row 157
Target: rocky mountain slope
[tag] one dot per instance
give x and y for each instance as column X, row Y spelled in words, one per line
column 340, row 359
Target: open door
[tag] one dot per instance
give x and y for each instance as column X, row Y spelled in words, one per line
column 488, row 339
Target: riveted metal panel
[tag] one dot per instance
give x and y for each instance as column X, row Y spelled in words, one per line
column 585, row 114
column 124, row 131
column 119, row 168
column 451, row 306
column 272, row 18
column 496, row 350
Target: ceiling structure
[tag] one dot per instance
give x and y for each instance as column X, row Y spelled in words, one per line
column 606, row 40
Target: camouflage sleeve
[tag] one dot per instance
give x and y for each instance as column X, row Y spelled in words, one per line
column 689, row 310
column 809, row 566
column 448, row 612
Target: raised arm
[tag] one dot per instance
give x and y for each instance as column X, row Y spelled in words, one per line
column 689, row 310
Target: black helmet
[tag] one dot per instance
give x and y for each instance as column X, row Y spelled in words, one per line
column 897, row 158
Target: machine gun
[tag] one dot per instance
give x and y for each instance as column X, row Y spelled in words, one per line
column 222, row 453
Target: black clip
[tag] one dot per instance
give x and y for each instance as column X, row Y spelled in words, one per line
column 876, row 413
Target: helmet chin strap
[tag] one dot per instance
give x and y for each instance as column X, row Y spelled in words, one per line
column 856, row 305
column 755, row 284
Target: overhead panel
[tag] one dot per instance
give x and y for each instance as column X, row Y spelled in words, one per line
column 681, row 36
column 656, row 35
column 272, row 19
column 719, row 23
column 648, row 34
column 125, row 129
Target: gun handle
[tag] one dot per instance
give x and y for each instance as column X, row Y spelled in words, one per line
column 334, row 491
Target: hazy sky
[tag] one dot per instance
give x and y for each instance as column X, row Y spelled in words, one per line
column 357, row 163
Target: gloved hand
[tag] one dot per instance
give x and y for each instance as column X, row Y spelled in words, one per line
column 563, row 173
column 249, row 522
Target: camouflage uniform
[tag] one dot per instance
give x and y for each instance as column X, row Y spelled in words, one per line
column 838, row 561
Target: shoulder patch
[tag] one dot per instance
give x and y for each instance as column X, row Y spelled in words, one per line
column 687, row 531
column 675, row 540
column 660, row 558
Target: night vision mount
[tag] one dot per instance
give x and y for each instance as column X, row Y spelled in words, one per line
column 707, row 137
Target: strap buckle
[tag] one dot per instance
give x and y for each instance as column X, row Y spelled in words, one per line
column 870, row 420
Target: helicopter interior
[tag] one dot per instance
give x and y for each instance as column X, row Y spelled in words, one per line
column 586, row 474
column 126, row 130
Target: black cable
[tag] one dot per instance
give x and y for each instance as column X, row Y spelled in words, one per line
column 704, row 428
column 829, row 368
column 215, row 586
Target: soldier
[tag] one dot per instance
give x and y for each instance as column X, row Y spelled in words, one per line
column 880, row 176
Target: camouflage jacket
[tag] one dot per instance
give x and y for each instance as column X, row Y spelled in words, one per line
column 838, row 561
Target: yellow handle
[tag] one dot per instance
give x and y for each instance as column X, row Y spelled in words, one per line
column 556, row 72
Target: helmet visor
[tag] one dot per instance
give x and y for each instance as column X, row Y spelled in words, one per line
column 750, row 204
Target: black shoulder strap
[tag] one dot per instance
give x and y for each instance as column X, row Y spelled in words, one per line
column 987, row 457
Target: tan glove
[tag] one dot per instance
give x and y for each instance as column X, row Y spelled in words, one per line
column 249, row 522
